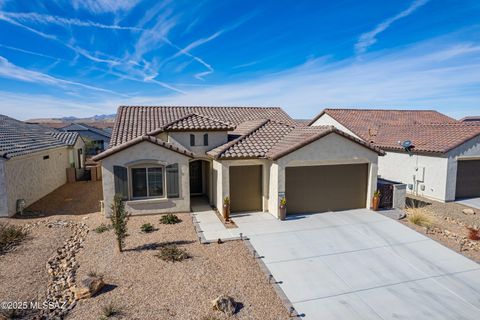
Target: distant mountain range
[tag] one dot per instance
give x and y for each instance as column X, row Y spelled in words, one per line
column 100, row 121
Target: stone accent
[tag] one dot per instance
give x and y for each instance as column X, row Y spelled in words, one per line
column 225, row 304
column 62, row 267
column 468, row 211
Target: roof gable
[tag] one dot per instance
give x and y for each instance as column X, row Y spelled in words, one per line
column 195, row 122
column 140, row 139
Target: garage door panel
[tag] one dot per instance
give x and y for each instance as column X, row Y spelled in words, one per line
column 326, row 188
column 246, row 188
column 468, row 179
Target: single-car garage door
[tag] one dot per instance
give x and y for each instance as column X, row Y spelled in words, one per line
column 245, row 188
column 468, row 179
column 326, row 188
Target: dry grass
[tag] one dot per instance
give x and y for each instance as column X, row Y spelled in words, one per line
column 10, row 237
column 419, row 217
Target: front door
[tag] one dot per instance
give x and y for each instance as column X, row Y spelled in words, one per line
column 196, row 185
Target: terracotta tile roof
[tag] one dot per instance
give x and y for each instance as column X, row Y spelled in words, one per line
column 302, row 136
column 436, row 138
column 18, row 138
column 69, row 138
column 364, row 122
column 151, row 139
column 195, row 122
column 253, row 144
column 134, row 121
column 273, row 140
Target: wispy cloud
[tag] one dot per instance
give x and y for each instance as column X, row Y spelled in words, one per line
column 437, row 74
column 369, row 38
column 103, row 6
column 9, row 70
column 61, row 21
column 38, row 54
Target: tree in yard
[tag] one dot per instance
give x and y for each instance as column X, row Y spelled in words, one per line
column 119, row 218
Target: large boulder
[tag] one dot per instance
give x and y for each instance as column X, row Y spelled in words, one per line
column 468, row 211
column 225, row 304
column 89, row 286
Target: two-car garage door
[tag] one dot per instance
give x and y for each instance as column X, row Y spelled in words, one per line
column 326, row 188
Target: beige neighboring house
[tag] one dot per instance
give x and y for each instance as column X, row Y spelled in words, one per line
column 443, row 161
column 33, row 161
column 160, row 157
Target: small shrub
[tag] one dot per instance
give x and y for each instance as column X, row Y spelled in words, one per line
column 147, row 228
column 172, row 253
column 102, row 228
column 473, row 234
column 10, row 236
column 110, row 310
column 420, row 219
column 169, row 219
column 119, row 218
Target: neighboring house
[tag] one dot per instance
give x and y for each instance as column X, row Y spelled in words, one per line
column 472, row 119
column 444, row 161
column 33, row 161
column 96, row 140
column 161, row 156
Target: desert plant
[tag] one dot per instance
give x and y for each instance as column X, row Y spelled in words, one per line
column 172, row 253
column 376, row 193
column 169, row 219
column 283, row 202
column 419, row 218
column 146, row 227
column 473, row 234
column 226, row 200
column 10, row 236
column 110, row 310
column 102, row 228
column 119, row 218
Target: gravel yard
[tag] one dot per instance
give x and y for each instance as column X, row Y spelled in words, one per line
column 141, row 285
column 146, row 287
column 449, row 218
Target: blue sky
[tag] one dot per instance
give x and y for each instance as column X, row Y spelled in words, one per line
column 86, row 57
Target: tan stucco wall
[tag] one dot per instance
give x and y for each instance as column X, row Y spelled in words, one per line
column 215, row 139
column 31, row 177
column 222, row 176
column 148, row 152
column 331, row 149
column 3, row 190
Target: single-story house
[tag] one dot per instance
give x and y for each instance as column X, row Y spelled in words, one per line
column 161, row 156
column 436, row 156
column 471, row 119
column 96, row 140
column 33, row 161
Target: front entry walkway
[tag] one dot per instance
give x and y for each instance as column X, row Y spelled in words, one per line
column 361, row 265
column 210, row 225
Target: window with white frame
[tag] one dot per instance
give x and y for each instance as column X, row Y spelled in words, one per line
column 147, row 182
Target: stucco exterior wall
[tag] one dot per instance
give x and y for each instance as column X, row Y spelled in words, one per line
column 221, row 176
column 31, row 177
column 401, row 167
column 147, row 152
column 3, row 190
column 326, row 120
column 468, row 150
column 329, row 150
column 215, row 139
column 73, row 154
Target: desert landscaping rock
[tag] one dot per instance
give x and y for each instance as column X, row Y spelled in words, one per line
column 88, row 287
column 225, row 304
column 468, row 211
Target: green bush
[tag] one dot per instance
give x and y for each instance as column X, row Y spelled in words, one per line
column 147, row 228
column 102, row 228
column 119, row 220
column 10, row 236
column 172, row 253
column 169, row 219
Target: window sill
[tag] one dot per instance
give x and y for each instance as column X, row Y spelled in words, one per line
column 146, row 201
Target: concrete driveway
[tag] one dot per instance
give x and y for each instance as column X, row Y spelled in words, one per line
column 358, row 264
column 471, row 202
